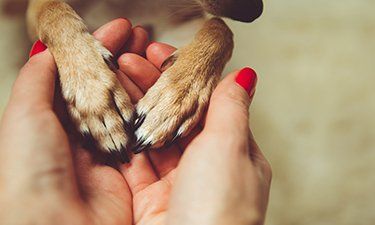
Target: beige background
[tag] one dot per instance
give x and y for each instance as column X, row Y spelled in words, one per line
column 314, row 110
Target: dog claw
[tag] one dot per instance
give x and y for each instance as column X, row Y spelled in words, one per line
column 139, row 121
column 120, row 156
column 172, row 141
column 128, row 127
column 140, row 145
column 181, row 95
column 177, row 136
column 112, row 64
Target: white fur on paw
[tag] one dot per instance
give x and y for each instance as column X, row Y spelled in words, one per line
column 96, row 101
column 170, row 110
column 109, row 124
column 175, row 104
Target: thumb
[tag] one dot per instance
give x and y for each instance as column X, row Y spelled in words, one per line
column 229, row 106
column 35, row 84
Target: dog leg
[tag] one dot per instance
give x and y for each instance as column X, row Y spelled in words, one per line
column 95, row 99
column 176, row 103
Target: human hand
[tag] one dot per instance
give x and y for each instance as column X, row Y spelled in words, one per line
column 42, row 177
column 218, row 175
column 46, row 177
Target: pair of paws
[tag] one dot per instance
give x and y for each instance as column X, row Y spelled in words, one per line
column 120, row 120
column 172, row 105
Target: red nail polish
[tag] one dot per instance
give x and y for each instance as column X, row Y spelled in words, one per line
column 247, row 78
column 38, row 47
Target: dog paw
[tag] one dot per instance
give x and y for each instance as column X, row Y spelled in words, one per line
column 173, row 106
column 177, row 101
column 97, row 103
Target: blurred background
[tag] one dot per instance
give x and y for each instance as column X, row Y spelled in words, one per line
column 313, row 114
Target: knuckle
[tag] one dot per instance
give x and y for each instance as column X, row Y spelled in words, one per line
column 267, row 170
column 32, row 61
column 128, row 59
column 28, row 66
column 44, row 66
column 234, row 96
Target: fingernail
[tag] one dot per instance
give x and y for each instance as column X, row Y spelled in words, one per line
column 247, row 78
column 127, row 20
column 138, row 26
column 37, row 48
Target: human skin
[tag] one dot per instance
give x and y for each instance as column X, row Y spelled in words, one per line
column 215, row 176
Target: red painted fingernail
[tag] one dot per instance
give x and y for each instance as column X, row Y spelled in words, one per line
column 247, row 78
column 38, row 47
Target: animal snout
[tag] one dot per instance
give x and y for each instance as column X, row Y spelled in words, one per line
column 240, row 10
column 244, row 10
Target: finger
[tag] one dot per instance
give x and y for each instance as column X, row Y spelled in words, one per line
column 135, row 93
column 139, row 70
column 234, row 93
column 114, row 34
column 157, row 53
column 35, row 85
column 139, row 173
column 137, row 42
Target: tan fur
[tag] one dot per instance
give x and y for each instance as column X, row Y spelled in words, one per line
column 97, row 103
column 175, row 104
